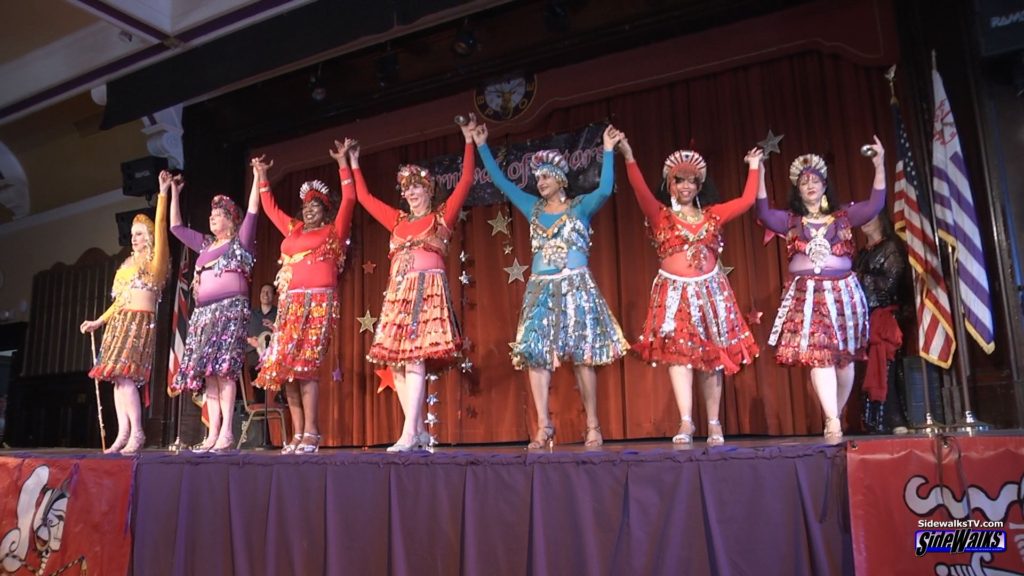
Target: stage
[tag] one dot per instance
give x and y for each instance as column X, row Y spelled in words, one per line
column 760, row 506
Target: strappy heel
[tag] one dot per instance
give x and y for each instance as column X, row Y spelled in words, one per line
column 833, row 429
column 715, row 439
column 224, row 445
column 545, row 438
column 308, row 447
column 593, row 442
column 414, row 443
column 289, row 448
column 684, row 437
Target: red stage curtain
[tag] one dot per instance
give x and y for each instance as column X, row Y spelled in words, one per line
column 822, row 103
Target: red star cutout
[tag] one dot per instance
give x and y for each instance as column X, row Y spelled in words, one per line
column 754, row 317
column 387, row 380
column 369, row 266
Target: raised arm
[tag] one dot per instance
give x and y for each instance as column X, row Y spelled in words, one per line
column 161, row 252
column 590, row 203
column 649, row 205
column 522, row 200
column 775, row 220
column 861, row 212
column 187, row 236
column 343, row 220
column 733, row 208
column 281, row 221
column 381, row 212
column 458, row 198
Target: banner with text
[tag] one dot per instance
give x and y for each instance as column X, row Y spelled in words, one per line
column 944, row 505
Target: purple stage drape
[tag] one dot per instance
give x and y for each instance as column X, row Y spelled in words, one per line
column 775, row 510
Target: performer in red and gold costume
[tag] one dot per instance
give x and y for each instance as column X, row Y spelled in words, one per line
column 312, row 257
column 823, row 319
column 693, row 322
column 126, row 354
column 417, row 322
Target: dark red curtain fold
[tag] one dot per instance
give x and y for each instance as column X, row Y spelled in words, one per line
column 821, row 103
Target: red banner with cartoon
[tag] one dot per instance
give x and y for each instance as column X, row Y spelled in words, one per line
column 64, row 516
column 943, row 505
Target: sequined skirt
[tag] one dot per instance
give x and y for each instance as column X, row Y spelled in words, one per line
column 417, row 322
column 695, row 322
column 127, row 349
column 564, row 317
column 822, row 322
column 306, row 319
column 215, row 345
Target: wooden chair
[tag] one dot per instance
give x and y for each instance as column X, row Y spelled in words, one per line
column 257, row 412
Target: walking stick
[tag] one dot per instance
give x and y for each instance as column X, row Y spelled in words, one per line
column 99, row 405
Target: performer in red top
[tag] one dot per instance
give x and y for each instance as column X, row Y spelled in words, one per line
column 693, row 321
column 417, row 322
column 312, row 257
column 823, row 319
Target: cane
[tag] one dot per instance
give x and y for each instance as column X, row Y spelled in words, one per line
column 99, row 405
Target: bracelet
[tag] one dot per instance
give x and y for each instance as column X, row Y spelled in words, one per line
column 346, row 181
column 264, row 184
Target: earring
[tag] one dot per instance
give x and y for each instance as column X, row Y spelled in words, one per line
column 697, row 200
column 676, row 206
column 824, row 203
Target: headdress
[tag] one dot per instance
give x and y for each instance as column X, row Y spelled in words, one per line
column 552, row 163
column 687, row 162
column 229, row 207
column 808, row 163
column 315, row 190
column 410, row 174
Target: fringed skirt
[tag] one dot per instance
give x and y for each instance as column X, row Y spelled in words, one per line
column 306, row 319
column 127, row 349
column 564, row 317
column 215, row 345
column 417, row 322
column 822, row 322
column 695, row 322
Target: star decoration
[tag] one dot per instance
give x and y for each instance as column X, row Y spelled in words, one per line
column 499, row 224
column 727, row 269
column 465, row 278
column 770, row 143
column 366, row 322
column 471, row 412
column 369, row 266
column 754, row 317
column 466, row 366
column 432, row 377
column 467, row 344
column 463, row 214
column 431, row 419
column 768, row 235
column 515, row 271
column 387, row 379
column 507, row 248
column 432, row 399
column 463, row 256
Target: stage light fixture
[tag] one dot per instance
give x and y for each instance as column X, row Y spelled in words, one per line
column 465, row 41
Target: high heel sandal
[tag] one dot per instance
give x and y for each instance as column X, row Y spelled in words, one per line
column 545, row 438
column 310, row 447
column 224, row 445
column 684, row 437
column 715, row 439
column 593, row 442
column 833, row 429
column 205, row 446
column 406, row 446
column 117, row 446
column 289, row 448
column 135, row 443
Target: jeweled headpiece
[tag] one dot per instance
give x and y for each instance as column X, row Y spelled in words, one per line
column 550, row 162
column 410, row 174
column 315, row 190
column 687, row 163
column 808, row 163
column 229, row 207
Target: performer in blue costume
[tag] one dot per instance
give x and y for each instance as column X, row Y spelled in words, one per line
column 564, row 316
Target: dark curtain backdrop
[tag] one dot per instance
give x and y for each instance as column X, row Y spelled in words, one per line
column 821, row 103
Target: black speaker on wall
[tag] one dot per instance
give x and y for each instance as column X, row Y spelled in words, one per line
column 124, row 224
column 141, row 177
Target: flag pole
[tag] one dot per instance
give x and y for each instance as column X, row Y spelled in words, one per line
column 177, row 446
column 99, row 404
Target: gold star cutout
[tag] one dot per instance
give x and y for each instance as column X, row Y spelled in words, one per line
column 499, row 224
column 507, row 248
column 515, row 271
column 369, row 266
column 366, row 322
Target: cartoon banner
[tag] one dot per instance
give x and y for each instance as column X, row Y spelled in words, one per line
column 582, row 149
column 64, row 516
column 943, row 505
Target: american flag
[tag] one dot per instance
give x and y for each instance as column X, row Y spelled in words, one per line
column 957, row 220
column 179, row 321
column 934, row 320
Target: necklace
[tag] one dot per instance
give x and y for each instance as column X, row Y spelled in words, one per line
column 690, row 218
column 415, row 217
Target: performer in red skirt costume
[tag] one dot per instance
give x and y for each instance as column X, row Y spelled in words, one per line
column 417, row 321
column 693, row 322
column 823, row 320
